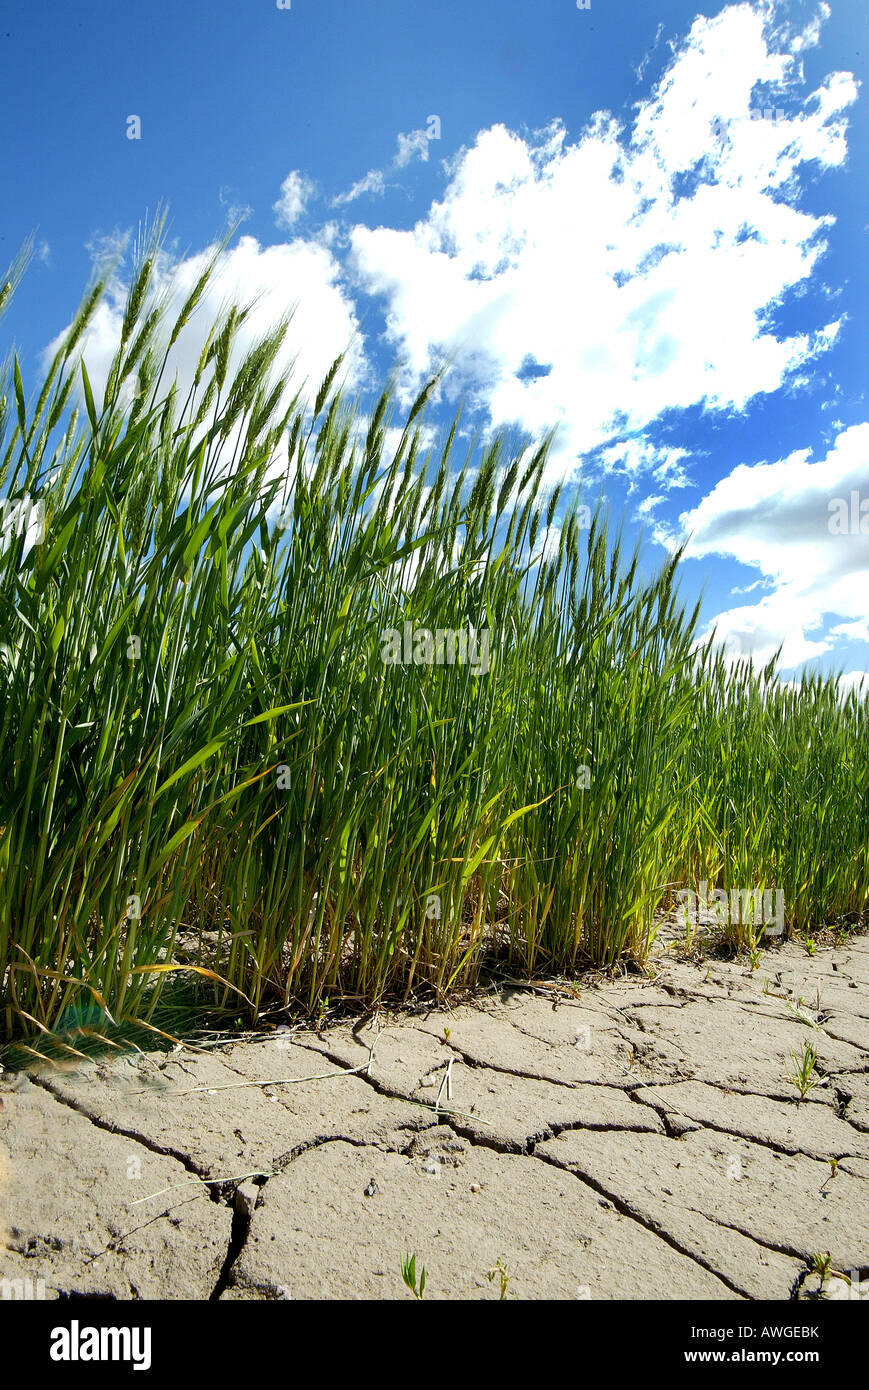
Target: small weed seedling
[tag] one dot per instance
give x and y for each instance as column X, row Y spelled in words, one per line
column 504, row 1278
column 822, row 1265
column 834, row 1168
column 408, row 1274
column 803, row 1067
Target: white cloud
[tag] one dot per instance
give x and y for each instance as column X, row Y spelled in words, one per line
column 641, row 268
column 107, row 248
column 810, row 36
column 372, row 182
column 413, row 145
column 858, row 631
column 646, row 507
column 777, row 518
column 634, row 457
column 296, row 190
column 236, row 211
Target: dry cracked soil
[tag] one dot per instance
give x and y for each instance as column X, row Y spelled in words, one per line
column 636, row 1138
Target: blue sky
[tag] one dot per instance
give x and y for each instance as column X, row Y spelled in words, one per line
column 646, row 224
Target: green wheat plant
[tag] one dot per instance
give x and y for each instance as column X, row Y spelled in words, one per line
column 801, row 1076
column 210, row 775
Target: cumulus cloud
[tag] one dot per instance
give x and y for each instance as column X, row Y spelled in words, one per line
column 296, row 190
column 785, row 521
column 639, row 269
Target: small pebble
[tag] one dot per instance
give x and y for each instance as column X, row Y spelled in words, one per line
column 371, row 1189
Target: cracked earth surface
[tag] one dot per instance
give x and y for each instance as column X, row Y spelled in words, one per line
column 636, row 1139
